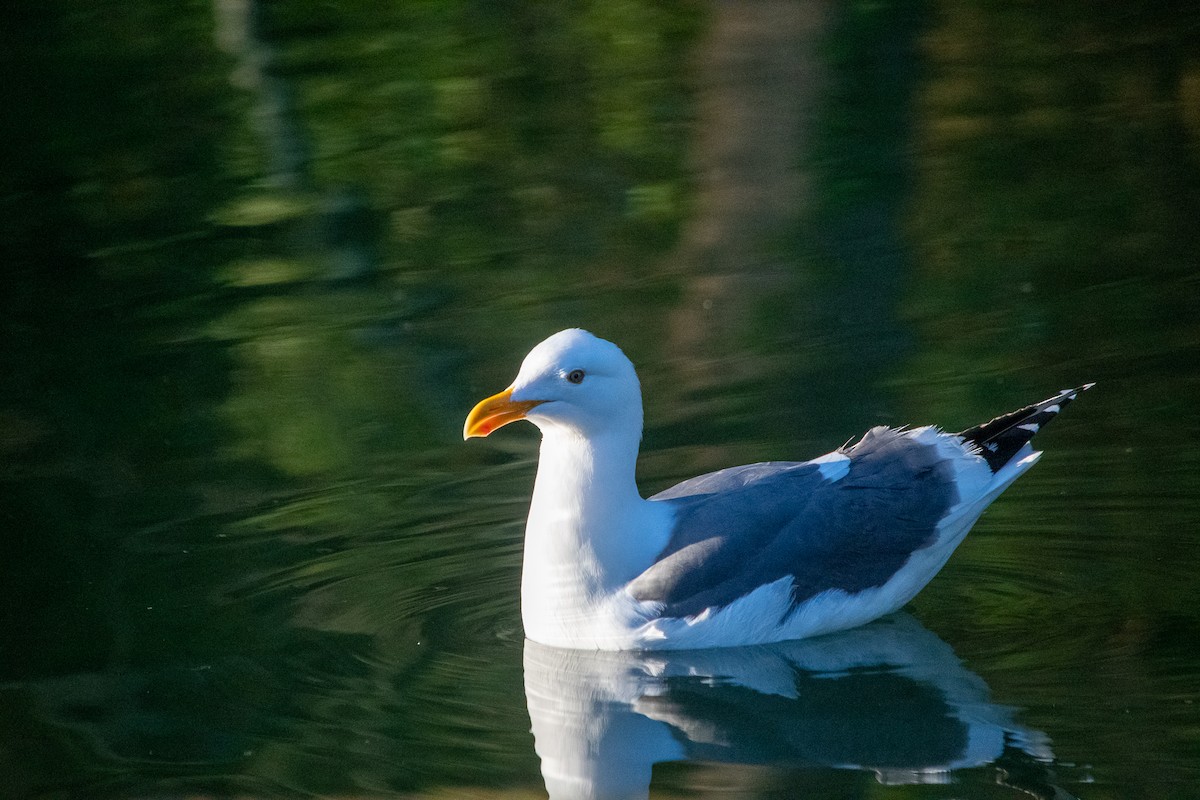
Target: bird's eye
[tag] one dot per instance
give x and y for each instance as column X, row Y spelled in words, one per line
column 575, row 376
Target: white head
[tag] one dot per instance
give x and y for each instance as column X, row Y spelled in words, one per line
column 572, row 382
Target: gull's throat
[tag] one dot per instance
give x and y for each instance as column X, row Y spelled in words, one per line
column 589, row 531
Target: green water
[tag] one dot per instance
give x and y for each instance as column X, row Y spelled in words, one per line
column 259, row 261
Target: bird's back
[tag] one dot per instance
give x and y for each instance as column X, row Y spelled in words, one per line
column 849, row 529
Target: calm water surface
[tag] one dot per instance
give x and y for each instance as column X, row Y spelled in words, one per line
column 260, row 259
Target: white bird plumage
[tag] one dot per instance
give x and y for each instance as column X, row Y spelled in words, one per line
column 607, row 569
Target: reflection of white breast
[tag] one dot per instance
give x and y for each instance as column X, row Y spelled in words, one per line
column 590, row 742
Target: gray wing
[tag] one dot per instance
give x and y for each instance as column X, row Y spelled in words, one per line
column 741, row 528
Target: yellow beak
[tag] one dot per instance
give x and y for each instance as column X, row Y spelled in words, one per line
column 496, row 412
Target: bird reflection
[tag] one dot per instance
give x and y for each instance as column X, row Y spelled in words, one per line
column 889, row 697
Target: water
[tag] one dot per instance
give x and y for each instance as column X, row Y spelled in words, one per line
column 260, row 261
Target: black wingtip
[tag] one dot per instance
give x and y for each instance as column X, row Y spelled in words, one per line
column 1000, row 439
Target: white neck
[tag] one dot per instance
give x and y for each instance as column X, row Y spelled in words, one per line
column 589, row 532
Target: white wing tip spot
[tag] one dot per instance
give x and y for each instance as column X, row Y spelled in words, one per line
column 833, row 466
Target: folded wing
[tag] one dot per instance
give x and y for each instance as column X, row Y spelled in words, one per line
column 850, row 529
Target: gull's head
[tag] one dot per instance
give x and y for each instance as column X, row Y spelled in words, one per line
column 573, row 382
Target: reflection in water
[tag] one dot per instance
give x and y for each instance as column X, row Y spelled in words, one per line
column 890, row 697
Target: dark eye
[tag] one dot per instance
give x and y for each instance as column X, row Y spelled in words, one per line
column 575, row 376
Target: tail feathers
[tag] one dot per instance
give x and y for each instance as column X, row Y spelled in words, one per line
column 999, row 440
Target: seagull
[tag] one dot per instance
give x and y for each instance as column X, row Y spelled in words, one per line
column 753, row 554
